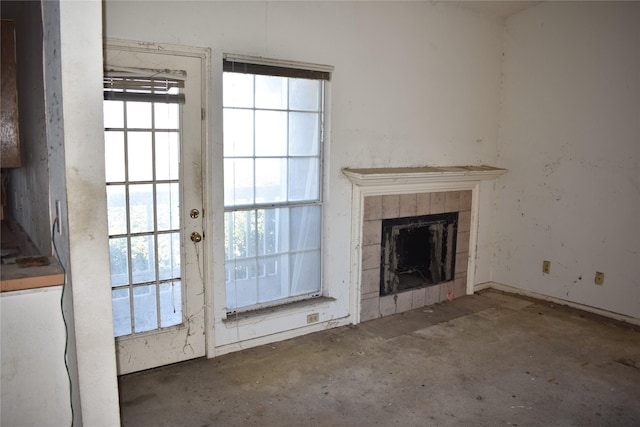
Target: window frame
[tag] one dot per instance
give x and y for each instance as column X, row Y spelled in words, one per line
column 290, row 69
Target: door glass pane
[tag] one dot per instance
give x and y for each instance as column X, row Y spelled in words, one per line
column 168, row 206
column 145, row 308
column 170, row 304
column 141, row 208
column 114, row 114
column 139, row 115
column 121, row 312
column 140, row 156
column 167, row 155
column 143, row 266
column 114, row 156
column 168, row 256
column 166, row 116
column 119, row 257
column 117, row 209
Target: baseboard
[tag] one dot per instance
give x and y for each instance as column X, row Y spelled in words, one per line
column 559, row 301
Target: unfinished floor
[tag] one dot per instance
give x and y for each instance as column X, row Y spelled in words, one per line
column 484, row 360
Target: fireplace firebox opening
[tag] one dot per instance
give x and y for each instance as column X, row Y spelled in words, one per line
column 417, row 252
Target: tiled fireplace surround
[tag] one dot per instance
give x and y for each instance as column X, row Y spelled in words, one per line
column 377, row 208
column 387, row 193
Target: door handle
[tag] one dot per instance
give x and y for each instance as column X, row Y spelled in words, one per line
column 196, row 237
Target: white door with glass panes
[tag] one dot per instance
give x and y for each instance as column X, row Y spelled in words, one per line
column 153, row 154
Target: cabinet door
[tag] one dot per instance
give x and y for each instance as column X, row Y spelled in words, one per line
column 10, row 136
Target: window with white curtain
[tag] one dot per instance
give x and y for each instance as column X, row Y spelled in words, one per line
column 273, row 131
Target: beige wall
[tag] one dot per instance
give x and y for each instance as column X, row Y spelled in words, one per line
column 570, row 136
column 415, row 83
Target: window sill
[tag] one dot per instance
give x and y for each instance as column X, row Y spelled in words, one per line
column 279, row 310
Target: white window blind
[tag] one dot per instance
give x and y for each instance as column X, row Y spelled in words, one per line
column 141, row 85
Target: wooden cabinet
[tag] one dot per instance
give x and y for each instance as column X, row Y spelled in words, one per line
column 9, row 129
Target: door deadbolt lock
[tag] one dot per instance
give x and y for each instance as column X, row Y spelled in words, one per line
column 195, row 213
column 196, row 237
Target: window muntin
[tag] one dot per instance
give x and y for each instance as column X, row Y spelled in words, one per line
column 272, row 191
column 142, row 146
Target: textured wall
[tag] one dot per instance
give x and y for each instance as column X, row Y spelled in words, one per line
column 570, row 134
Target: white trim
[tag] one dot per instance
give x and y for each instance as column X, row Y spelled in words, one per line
column 421, row 175
column 259, row 60
column 143, row 73
column 513, row 290
column 280, row 336
column 164, row 48
column 395, row 181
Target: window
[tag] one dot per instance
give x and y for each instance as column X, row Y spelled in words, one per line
column 273, row 128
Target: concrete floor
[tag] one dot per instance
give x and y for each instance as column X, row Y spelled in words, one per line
column 485, row 360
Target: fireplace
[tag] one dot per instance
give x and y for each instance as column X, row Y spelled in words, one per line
column 397, row 209
column 417, row 251
column 381, row 194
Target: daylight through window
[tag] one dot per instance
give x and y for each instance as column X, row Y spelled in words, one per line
column 273, row 127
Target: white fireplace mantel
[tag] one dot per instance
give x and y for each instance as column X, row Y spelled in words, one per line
column 407, row 180
column 421, row 175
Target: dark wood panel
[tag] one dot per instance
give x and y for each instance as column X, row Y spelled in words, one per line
column 9, row 130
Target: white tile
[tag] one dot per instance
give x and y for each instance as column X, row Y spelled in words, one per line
column 387, row 305
column 419, row 298
column 370, row 257
column 464, row 221
column 465, row 200
column 452, row 201
column 371, row 232
column 372, row 207
column 423, row 204
column 369, row 309
column 390, row 206
column 371, row 281
column 437, row 202
column 404, row 302
column 408, row 205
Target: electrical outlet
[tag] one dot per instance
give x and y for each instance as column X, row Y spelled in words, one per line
column 313, row 318
column 599, row 278
column 546, row 267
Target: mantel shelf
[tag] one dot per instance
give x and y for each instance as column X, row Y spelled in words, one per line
column 417, row 175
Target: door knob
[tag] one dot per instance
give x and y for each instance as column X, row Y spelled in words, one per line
column 195, row 213
column 196, row 237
